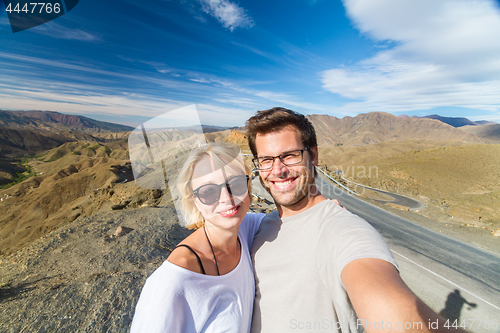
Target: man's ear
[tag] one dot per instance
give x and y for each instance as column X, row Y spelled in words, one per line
column 314, row 151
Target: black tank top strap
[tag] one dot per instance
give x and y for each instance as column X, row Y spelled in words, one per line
column 197, row 256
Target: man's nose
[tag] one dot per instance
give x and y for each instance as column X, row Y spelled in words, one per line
column 279, row 168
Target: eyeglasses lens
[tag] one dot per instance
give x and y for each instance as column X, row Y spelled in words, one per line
column 288, row 158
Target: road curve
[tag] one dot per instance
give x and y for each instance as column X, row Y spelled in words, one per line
column 397, row 199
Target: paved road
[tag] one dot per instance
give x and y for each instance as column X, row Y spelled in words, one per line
column 435, row 266
column 396, row 198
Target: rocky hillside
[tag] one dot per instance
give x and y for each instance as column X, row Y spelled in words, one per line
column 27, row 133
column 66, row 179
column 25, row 142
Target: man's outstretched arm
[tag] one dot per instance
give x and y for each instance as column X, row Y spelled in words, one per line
column 384, row 303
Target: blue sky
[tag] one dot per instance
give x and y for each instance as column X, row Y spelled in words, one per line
column 129, row 61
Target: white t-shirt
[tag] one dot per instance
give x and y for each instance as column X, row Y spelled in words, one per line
column 298, row 261
column 175, row 299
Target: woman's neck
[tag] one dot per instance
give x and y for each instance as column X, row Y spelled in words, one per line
column 224, row 241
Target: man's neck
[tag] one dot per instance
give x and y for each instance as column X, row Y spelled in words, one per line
column 302, row 205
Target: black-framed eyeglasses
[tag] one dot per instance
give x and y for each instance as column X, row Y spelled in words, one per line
column 210, row 193
column 287, row 158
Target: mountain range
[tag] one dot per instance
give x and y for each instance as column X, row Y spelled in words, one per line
column 24, row 133
column 377, row 127
column 55, row 121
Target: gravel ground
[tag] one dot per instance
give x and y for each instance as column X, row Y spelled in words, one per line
column 81, row 278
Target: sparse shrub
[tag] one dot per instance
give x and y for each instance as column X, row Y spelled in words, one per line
column 107, row 150
column 20, row 176
column 76, row 152
column 39, row 156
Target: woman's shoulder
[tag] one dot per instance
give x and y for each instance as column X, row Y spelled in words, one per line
column 250, row 225
column 186, row 256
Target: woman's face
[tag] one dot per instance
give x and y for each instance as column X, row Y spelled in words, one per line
column 229, row 210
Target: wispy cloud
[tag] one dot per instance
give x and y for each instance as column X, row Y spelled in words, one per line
column 446, row 53
column 256, row 51
column 289, row 100
column 120, row 105
column 75, row 87
column 229, row 14
column 4, row 21
column 229, row 99
column 55, row 30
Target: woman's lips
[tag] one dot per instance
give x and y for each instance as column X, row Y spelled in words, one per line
column 230, row 212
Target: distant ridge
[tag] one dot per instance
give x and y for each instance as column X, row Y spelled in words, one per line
column 489, row 131
column 376, row 127
column 485, row 122
column 196, row 128
column 453, row 121
column 55, row 121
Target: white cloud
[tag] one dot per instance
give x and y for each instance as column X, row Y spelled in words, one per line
column 446, row 53
column 229, row 14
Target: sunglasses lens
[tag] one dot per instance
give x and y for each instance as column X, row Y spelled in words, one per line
column 208, row 194
column 238, row 185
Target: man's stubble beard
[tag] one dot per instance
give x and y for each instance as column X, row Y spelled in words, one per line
column 301, row 192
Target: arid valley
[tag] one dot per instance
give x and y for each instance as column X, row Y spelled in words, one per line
column 78, row 237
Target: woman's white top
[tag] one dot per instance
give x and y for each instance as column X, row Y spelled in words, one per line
column 175, row 299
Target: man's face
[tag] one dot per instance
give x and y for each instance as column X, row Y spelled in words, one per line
column 288, row 185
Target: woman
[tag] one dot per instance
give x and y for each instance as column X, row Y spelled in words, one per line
column 207, row 282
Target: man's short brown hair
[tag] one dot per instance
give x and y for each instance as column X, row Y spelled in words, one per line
column 276, row 119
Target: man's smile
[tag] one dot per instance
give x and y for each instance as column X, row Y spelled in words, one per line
column 283, row 184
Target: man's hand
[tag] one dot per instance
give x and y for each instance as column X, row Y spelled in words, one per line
column 379, row 297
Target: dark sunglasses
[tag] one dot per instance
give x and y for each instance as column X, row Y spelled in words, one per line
column 210, row 193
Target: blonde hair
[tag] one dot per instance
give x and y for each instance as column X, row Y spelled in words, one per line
column 223, row 155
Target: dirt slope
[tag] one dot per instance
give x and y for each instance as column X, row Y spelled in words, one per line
column 463, row 182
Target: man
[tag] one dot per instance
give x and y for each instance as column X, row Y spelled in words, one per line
column 319, row 268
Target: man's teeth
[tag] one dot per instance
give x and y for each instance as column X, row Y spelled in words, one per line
column 229, row 211
column 286, row 182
